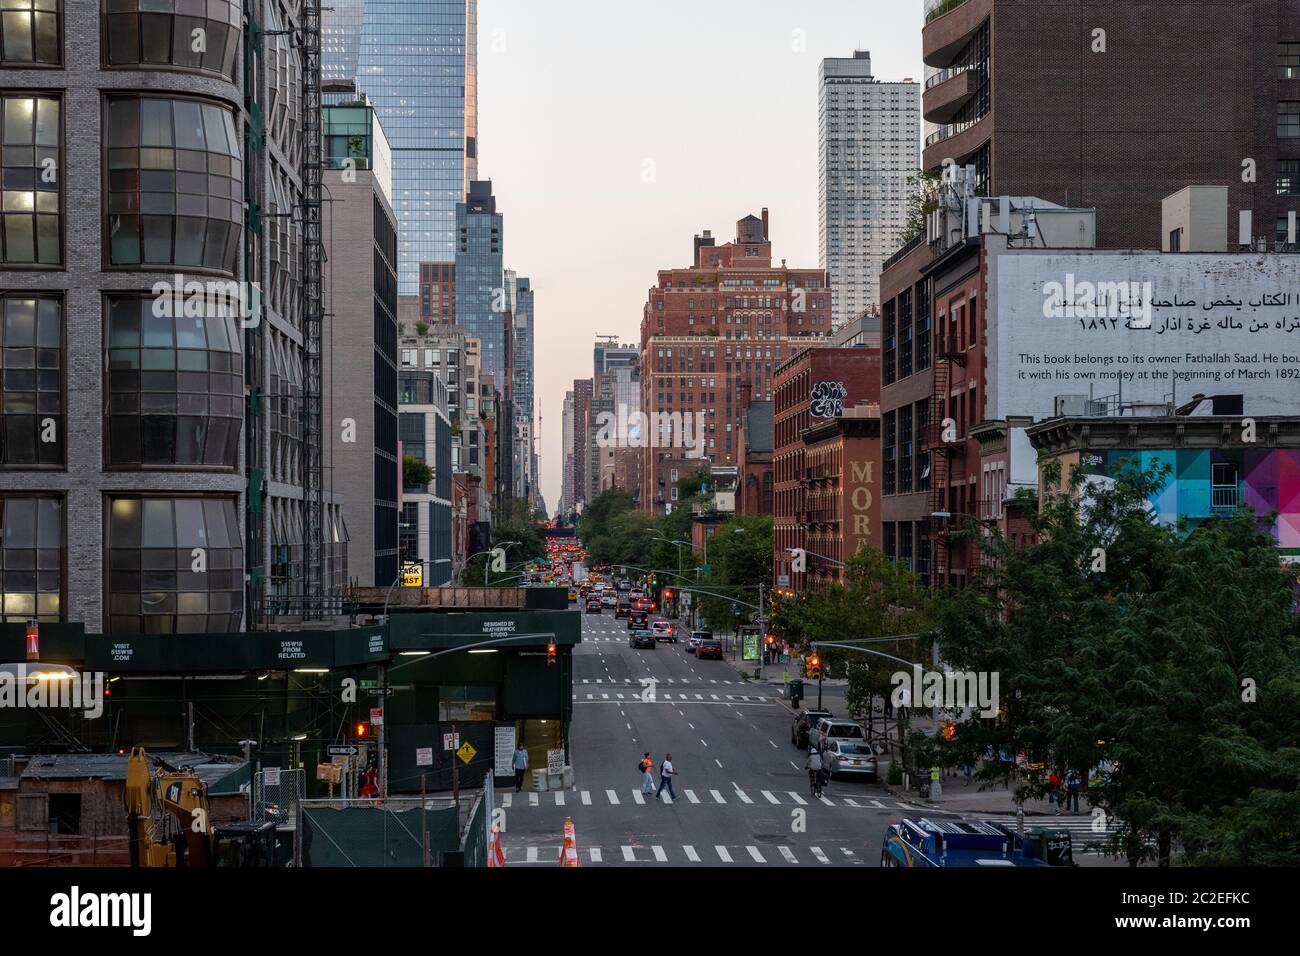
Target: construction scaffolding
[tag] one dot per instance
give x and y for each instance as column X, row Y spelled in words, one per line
column 313, row 254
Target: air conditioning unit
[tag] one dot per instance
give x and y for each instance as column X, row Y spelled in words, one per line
column 1068, row 405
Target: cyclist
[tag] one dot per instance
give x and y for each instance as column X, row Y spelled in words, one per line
column 814, row 768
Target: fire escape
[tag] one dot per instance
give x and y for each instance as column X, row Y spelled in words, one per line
column 313, row 254
column 946, row 457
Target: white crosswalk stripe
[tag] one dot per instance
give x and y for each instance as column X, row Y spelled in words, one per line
column 744, row 797
column 877, row 804
column 723, row 855
column 594, row 852
column 628, row 855
column 639, row 797
column 717, row 796
column 827, row 800
column 690, row 795
column 559, row 798
column 851, row 802
column 788, row 854
column 534, row 799
column 797, row 799
column 660, row 855
column 758, row 857
column 506, row 800
column 768, row 795
column 531, row 856
column 586, row 798
column 817, row 852
column 613, row 797
column 691, row 854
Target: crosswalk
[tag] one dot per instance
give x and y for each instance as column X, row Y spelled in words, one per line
column 637, row 681
column 687, row 795
column 633, row 697
column 753, row 854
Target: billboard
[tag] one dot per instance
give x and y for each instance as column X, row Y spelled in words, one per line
column 1143, row 326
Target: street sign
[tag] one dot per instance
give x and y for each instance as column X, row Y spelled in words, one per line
column 271, row 777
column 377, row 716
column 505, row 750
column 450, row 741
column 783, row 580
column 342, row 750
column 424, row 756
column 705, row 569
column 412, row 574
column 466, row 752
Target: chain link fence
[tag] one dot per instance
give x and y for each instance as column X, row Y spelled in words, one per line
column 276, row 795
column 399, row 831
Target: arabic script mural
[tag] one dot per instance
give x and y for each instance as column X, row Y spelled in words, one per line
column 828, row 399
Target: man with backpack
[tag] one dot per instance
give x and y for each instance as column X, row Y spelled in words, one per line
column 814, row 766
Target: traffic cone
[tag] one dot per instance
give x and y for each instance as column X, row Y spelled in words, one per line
column 569, row 852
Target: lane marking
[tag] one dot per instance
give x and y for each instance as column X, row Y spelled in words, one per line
column 774, row 746
column 613, row 797
column 703, row 741
column 753, row 851
column 718, row 762
column 744, row 797
column 817, row 852
column 533, row 798
column 690, row 795
column 690, row 853
column 797, row 799
column 770, row 797
column 788, row 854
column 878, row 805
column 532, row 855
column 506, row 800
column 628, row 855
column 659, row 853
column 595, row 854
column 586, row 798
column 559, row 798
column 851, row 802
column 717, row 796
column 827, row 801
column 723, row 855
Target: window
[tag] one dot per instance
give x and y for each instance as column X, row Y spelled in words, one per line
column 175, row 183
column 1288, row 61
column 1288, row 120
column 174, row 387
column 891, row 452
column 155, row 546
column 31, row 559
column 30, row 32
column 164, row 33
column 1288, row 177
column 33, row 165
column 890, row 342
column 891, row 540
column 31, row 382
column 1176, row 239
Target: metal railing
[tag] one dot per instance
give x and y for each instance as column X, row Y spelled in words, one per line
column 937, row 8
column 278, row 802
column 1225, row 497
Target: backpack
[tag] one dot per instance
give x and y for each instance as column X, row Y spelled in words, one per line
column 640, row 767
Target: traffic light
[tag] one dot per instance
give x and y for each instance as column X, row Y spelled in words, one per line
column 770, row 640
column 668, row 594
column 815, row 667
column 362, row 730
column 949, row 730
column 550, row 654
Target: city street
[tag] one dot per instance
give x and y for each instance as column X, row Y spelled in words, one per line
column 742, row 793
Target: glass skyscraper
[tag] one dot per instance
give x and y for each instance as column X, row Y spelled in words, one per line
column 481, row 295
column 416, row 61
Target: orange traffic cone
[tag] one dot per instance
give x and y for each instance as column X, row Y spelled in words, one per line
column 569, row 852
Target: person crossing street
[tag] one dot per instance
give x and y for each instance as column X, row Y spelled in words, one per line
column 666, row 774
column 647, row 766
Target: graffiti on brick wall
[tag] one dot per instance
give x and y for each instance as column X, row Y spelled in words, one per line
column 828, row 399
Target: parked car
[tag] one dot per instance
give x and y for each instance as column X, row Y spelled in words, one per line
column 850, row 758
column 693, row 642
column 828, row 728
column 664, row 631
column 803, row 724
column 593, row 605
column 624, row 609
column 643, row 639
column 638, row 620
column 709, row 648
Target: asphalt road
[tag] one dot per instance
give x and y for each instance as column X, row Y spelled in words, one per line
column 742, row 794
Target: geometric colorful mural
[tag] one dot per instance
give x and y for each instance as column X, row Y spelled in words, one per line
column 1206, row 482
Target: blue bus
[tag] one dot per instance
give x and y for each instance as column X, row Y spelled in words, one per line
column 928, row 842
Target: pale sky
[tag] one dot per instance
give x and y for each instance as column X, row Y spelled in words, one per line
column 714, row 101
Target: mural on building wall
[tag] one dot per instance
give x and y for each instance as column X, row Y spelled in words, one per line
column 828, row 399
column 1207, row 482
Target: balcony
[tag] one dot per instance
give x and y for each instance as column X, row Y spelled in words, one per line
column 948, row 25
column 1225, row 498
column 958, row 142
column 946, row 93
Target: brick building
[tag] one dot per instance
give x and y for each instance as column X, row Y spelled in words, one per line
column 754, row 487
column 816, row 385
column 438, row 293
column 1043, row 104
column 712, row 336
column 841, row 505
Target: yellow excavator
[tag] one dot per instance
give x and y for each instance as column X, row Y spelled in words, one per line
column 170, row 824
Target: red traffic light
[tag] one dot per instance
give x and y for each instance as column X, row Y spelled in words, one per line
column 668, row 594
column 362, row 729
column 550, row 653
column 770, row 639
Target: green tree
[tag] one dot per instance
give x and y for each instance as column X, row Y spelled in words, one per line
column 1160, row 661
column 922, row 199
column 415, row 473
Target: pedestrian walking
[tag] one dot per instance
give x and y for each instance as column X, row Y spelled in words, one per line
column 647, row 766
column 1072, row 782
column 666, row 774
column 520, row 763
column 1054, row 790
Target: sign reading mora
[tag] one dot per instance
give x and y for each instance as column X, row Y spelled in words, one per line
column 1153, row 326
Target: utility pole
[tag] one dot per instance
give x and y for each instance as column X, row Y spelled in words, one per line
column 762, row 635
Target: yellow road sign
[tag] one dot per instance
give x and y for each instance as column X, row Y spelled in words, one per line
column 412, row 575
column 466, row 752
